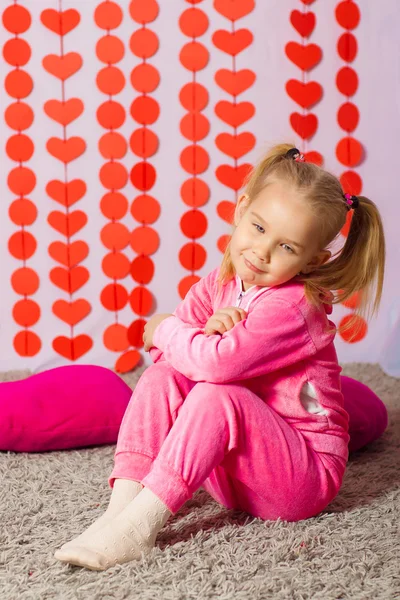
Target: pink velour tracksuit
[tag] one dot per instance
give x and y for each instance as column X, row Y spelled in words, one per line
column 254, row 416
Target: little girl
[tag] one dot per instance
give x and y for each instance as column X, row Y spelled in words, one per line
column 244, row 398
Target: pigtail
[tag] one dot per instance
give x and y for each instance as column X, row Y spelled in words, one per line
column 357, row 267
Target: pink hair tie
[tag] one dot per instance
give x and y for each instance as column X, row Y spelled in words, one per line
column 351, row 201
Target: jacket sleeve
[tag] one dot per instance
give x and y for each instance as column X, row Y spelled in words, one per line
column 274, row 335
column 195, row 310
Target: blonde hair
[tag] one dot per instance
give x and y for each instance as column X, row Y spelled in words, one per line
column 358, row 266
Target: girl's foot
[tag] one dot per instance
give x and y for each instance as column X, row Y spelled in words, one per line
column 129, row 534
column 123, row 492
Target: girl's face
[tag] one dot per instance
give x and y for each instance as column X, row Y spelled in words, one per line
column 278, row 235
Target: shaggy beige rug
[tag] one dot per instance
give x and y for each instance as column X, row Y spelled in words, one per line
column 351, row 550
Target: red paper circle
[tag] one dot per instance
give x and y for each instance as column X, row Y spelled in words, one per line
column 114, row 297
column 26, row 312
column 144, row 43
column 347, row 14
column 194, row 56
column 18, row 116
column 111, row 115
column 194, row 159
column 22, row 212
column 145, row 110
column 194, row 224
column 195, row 192
column 144, row 240
column 110, row 80
column 108, row 15
column 143, row 176
column 347, row 47
column 18, row 84
column 16, row 19
column 347, row 81
column 115, row 338
column 141, row 301
column 22, row 245
column 193, row 22
column 358, row 322
column 21, row 181
column 27, row 343
column 19, row 147
column 115, row 236
column 194, row 126
column 142, row 270
column 192, row 256
column 113, row 175
column 145, row 209
column 143, row 12
column 193, row 96
column 25, row 281
column 114, row 205
column 144, row 142
column 145, row 78
column 349, row 152
column 348, row 116
column 112, row 145
column 17, row 52
column 116, row 265
column 110, row 49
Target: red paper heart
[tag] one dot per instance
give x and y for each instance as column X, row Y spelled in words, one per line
column 64, row 112
column 305, row 94
column 226, row 211
column 304, row 125
column 234, row 114
column 232, row 42
column 307, row 1
column 305, row 57
column 234, row 9
column 233, row 177
column 66, row 193
column 235, row 145
column 69, row 224
column 66, row 150
column 314, row 157
column 234, row 82
column 69, row 255
column 60, row 22
column 71, row 312
column 69, row 280
column 72, row 348
column 62, row 66
column 304, row 23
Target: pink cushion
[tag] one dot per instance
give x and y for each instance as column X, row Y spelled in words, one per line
column 66, row 407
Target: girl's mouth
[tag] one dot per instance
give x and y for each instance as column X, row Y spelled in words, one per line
column 252, row 267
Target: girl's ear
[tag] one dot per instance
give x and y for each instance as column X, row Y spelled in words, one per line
column 241, row 206
column 316, row 261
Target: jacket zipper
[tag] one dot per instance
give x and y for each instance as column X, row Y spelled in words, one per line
column 239, row 298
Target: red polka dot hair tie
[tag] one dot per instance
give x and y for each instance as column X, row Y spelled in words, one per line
column 295, row 154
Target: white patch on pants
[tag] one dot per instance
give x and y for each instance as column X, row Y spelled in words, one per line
column 308, row 398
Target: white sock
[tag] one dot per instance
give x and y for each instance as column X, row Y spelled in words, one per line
column 129, row 534
column 123, row 492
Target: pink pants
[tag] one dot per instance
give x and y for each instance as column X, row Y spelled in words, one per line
column 178, row 435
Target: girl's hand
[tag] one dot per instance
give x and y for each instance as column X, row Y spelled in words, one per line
column 150, row 328
column 224, row 319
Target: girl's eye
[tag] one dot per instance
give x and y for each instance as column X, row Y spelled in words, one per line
column 289, row 248
column 258, row 227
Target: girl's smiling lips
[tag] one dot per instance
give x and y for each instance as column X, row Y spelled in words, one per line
column 252, row 267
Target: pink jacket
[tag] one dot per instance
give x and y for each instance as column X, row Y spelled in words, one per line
column 280, row 351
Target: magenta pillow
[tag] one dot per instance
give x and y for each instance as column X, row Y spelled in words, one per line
column 66, row 407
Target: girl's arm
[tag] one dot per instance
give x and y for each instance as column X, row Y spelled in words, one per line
column 273, row 336
column 195, row 310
